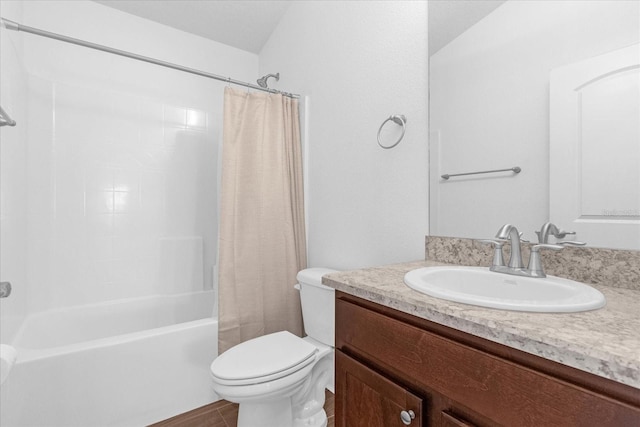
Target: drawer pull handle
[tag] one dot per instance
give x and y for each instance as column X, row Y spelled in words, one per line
column 407, row 416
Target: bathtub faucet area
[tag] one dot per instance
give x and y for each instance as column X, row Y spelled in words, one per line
column 5, row 289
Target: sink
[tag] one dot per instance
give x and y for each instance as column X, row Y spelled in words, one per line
column 479, row 286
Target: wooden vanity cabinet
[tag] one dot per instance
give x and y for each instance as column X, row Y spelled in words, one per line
column 388, row 362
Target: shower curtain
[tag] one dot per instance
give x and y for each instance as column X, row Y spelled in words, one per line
column 262, row 233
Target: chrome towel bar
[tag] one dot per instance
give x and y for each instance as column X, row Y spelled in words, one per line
column 515, row 169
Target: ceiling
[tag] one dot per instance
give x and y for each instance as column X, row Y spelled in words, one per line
column 247, row 24
column 450, row 18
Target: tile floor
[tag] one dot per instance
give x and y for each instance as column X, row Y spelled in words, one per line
column 225, row 414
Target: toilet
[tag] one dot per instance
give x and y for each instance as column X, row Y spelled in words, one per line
column 279, row 379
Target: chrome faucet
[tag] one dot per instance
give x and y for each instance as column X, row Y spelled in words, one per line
column 516, row 266
column 549, row 228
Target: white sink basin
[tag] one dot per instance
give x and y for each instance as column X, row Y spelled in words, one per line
column 479, row 286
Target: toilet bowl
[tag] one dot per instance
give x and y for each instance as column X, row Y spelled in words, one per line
column 279, row 379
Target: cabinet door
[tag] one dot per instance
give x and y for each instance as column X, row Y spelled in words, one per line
column 364, row 398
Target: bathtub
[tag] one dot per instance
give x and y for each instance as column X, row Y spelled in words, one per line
column 122, row 363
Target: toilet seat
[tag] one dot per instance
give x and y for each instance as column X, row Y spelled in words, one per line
column 263, row 359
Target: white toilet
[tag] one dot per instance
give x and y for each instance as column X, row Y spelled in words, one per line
column 279, row 379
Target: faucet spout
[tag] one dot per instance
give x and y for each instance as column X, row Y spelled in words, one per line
column 510, row 232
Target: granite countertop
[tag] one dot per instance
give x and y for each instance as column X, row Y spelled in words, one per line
column 604, row 342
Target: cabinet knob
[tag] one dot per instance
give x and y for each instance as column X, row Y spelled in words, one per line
column 407, row 416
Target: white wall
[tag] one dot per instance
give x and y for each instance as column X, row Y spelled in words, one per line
column 13, row 174
column 122, row 155
column 490, row 104
column 358, row 63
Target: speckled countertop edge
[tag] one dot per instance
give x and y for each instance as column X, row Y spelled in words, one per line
column 603, row 342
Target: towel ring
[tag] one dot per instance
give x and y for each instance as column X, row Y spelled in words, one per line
column 399, row 119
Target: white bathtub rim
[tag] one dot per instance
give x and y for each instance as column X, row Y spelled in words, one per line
column 70, row 310
column 28, row 355
column 103, row 304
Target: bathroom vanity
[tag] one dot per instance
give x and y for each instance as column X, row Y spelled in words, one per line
column 403, row 358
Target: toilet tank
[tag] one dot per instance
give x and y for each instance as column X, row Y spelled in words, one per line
column 318, row 305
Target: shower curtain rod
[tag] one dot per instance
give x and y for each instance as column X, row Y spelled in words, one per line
column 11, row 25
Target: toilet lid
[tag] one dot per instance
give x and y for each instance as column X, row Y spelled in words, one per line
column 263, row 359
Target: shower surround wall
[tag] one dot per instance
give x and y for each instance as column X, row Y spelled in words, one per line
column 121, row 158
column 13, row 178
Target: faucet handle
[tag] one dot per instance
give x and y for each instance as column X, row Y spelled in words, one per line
column 561, row 234
column 535, row 263
column 498, row 258
column 553, row 247
column 571, row 243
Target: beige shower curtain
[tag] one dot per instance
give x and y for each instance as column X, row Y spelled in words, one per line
column 262, row 234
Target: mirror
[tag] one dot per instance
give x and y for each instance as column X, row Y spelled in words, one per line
column 491, row 108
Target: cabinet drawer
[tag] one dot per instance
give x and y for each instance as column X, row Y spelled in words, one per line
column 450, row 420
column 502, row 391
